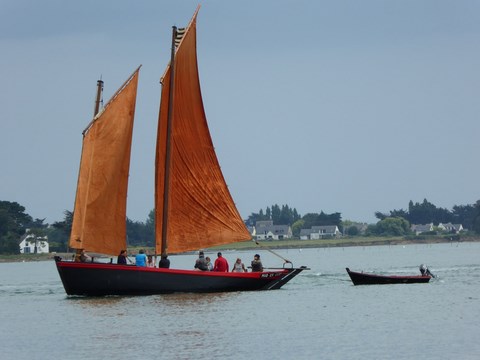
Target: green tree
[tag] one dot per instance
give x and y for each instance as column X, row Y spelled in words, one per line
column 380, row 216
column 260, row 216
column 390, row 227
column 13, row 224
column 349, row 228
column 322, row 219
column 150, row 226
column 284, row 215
column 36, row 234
column 276, row 212
column 426, row 212
column 59, row 233
column 297, row 226
column 9, row 244
column 135, row 233
column 141, row 233
column 13, row 218
column 464, row 214
column 353, row 231
column 268, row 214
column 476, row 219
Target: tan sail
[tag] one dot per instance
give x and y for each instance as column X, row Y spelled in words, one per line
column 201, row 211
column 99, row 217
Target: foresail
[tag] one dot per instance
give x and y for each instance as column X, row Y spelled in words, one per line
column 201, row 211
column 99, row 217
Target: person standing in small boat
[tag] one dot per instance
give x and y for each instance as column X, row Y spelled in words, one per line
column 141, row 258
column 238, row 266
column 221, row 264
column 164, row 262
column 201, row 263
column 257, row 265
column 122, row 258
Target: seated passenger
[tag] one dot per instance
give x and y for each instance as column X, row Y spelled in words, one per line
column 238, row 266
column 209, row 264
column 141, row 258
column 81, row 256
column 122, row 258
column 221, row 264
column 164, row 262
column 150, row 261
column 201, row 263
column 257, row 264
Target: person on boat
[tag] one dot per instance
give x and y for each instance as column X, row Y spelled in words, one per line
column 141, row 258
column 201, row 263
column 150, row 262
column 425, row 271
column 221, row 264
column 81, row 256
column 164, row 262
column 122, row 258
column 209, row 264
column 257, row 264
column 238, row 266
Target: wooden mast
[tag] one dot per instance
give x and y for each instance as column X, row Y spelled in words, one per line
column 96, row 109
column 168, row 146
column 98, row 98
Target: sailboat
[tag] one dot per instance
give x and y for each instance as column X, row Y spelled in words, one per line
column 193, row 206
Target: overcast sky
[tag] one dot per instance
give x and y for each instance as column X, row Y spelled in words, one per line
column 334, row 106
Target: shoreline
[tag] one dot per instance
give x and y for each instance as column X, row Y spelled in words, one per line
column 272, row 244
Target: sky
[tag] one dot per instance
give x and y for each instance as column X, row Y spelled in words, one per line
column 336, row 106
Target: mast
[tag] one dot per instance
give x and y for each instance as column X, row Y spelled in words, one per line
column 168, row 146
column 95, row 112
column 98, row 98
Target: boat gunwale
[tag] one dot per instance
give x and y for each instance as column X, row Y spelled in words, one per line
column 110, row 266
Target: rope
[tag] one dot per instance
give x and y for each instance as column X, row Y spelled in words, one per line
column 273, row 252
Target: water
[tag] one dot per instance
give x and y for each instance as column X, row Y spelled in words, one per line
column 318, row 315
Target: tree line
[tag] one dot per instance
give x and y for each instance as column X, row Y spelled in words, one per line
column 393, row 223
column 426, row 213
column 14, row 223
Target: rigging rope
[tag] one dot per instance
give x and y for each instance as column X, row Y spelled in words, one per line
column 273, row 252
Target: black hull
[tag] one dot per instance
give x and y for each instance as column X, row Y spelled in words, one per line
column 99, row 279
column 373, row 279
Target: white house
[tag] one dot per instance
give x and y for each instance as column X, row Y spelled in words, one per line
column 452, row 228
column 421, row 228
column 265, row 230
column 305, row 234
column 27, row 244
column 320, row 232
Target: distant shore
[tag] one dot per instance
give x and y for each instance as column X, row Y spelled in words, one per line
column 274, row 244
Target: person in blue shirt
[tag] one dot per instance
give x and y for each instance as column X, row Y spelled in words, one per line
column 141, row 258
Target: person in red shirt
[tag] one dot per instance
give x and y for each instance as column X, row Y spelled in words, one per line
column 221, row 264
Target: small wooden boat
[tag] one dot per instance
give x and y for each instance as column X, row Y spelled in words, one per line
column 361, row 278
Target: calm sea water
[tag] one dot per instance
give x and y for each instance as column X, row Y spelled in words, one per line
column 318, row 315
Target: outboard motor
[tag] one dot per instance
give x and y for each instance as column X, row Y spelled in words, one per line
column 425, row 271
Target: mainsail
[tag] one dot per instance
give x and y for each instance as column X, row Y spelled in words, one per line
column 99, row 217
column 200, row 212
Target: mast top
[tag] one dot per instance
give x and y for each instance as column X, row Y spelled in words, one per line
column 98, row 98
